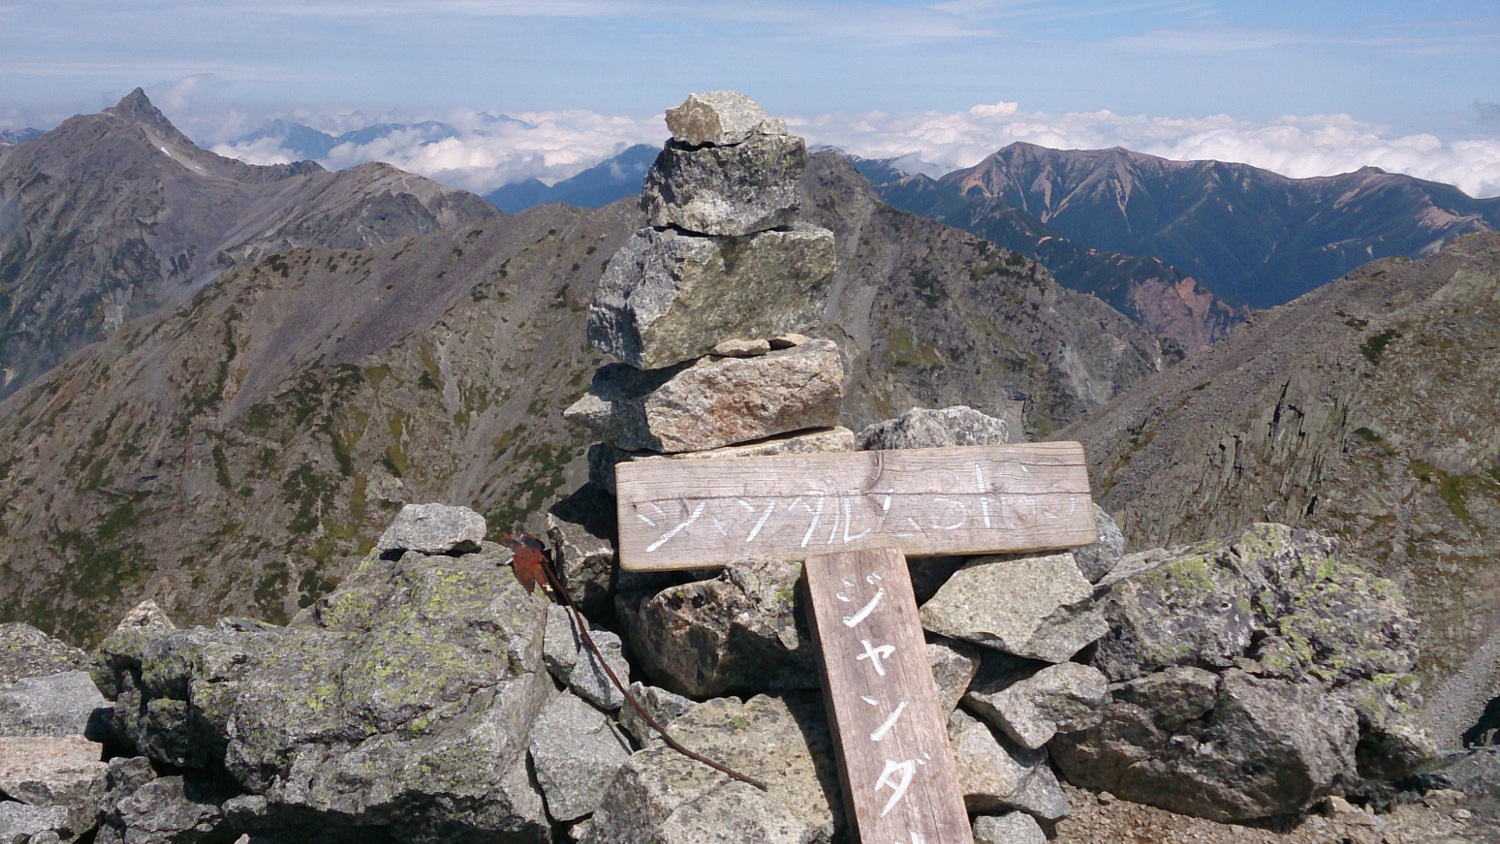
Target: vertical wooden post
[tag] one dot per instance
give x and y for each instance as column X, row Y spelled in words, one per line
column 900, row 783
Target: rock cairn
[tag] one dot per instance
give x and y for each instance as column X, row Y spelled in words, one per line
column 705, row 307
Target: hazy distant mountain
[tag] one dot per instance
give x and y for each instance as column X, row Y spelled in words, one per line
column 301, row 141
column 237, row 452
column 11, row 137
column 1248, row 233
column 595, row 187
column 1155, row 294
column 111, row 215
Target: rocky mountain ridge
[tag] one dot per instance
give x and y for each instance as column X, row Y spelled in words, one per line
column 114, row 215
column 615, row 178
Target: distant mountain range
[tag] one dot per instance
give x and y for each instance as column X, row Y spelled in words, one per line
column 300, row 141
column 113, row 215
column 11, row 137
column 596, row 187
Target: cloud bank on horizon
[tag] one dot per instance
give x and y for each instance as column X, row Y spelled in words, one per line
column 487, row 152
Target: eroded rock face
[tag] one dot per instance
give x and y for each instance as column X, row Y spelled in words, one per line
column 738, row 632
column 735, row 190
column 716, row 401
column 662, row 796
column 402, row 701
column 1256, row 675
column 923, row 428
column 668, row 297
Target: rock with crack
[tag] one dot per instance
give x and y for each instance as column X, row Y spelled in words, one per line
column 401, row 701
column 718, row 118
column 1268, row 747
column 668, row 297
column 734, row 189
column 575, row 752
column 663, row 706
column 603, row 457
column 923, row 428
column 1060, row 698
column 714, row 402
column 664, row 797
column 742, row 631
column 996, row 774
column 433, row 529
column 1036, row 607
column 576, row 666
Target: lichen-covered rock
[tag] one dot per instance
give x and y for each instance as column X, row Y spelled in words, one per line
column 719, row 117
column 1060, row 698
column 1268, row 747
column 1096, row 561
column 433, row 529
column 995, row 774
column 402, row 701
column 28, row 652
column 668, row 297
column 662, row 796
column 61, row 704
column 923, row 428
column 716, row 401
column 1002, row 603
column 663, row 706
column 575, row 752
column 603, row 457
column 576, row 666
column 1308, row 611
column 738, row 632
column 736, row 189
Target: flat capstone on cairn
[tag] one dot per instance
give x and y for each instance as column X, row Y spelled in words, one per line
column 706, row 306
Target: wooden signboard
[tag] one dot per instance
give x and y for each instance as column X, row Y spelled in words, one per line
column 683, row 514
column 900, row 783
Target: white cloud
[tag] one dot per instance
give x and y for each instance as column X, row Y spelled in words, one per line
column 554, row 145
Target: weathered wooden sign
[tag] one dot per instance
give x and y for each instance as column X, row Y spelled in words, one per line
column 682, row 514
column 899, row 779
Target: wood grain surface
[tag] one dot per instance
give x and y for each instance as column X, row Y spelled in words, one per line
column 681, row 514
column 895, row 763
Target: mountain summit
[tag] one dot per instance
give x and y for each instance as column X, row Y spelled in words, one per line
column 113, row 215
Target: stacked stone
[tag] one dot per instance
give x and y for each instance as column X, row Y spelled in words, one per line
column 705, row 307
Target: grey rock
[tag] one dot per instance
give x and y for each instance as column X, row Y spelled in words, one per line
column 1001, row 602
column 50, row 771
column 954, row 665
column 580, row 530
column 923, row 428
column 1268, row 747
column 996, row 774
column 574, row 665
column 663, row 706
column 734, row 190
column 1014, row 828
column 1066, row 631
column 146, row 614
column 662, row 796
column 1310, row 609
column 163, row 810
column 28, row 652
column 719, row 117
column 715, row 402
column 575, row 752
column 20, row 821
column 603, row 457
column 741, row 348
column 433, row 529
column 1475, row 771
column 1060, row 698
column 52, row 705
column 404, row 698
column 668, row 297
column 1173, row 696
column 737, row 632
column 1096, row 561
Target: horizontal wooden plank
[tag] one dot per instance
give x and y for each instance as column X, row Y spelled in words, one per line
column 682, row 514
column 897, row 769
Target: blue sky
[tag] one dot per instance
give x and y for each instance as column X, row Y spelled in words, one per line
column 1394, row 70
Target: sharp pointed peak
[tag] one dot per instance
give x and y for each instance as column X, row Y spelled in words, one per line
column 136, row 107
